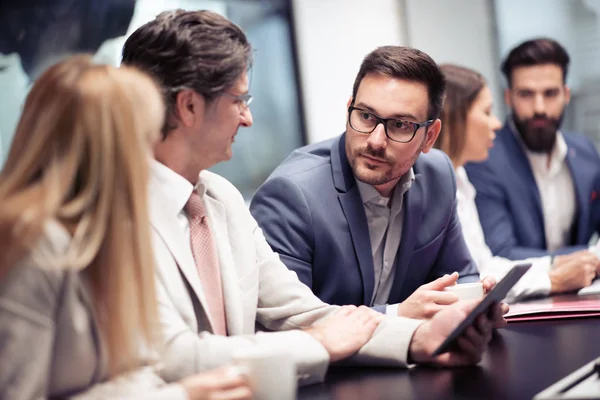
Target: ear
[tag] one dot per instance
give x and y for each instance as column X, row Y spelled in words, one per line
column 432, row 134
column 189, row 106
column 507, row 99
column 567, row 94
column 349, row 102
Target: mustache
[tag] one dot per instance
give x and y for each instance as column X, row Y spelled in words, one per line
column 541, row 117
column 378, row 154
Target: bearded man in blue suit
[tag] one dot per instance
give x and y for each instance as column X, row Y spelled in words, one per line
column 537, row 194
column 369, row 217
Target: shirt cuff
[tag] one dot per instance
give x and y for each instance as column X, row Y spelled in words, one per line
column 595, row 250
column 392, row 309
column 541, row 263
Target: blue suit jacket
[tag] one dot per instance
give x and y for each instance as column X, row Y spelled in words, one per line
column 312, row 214
column 509, row 202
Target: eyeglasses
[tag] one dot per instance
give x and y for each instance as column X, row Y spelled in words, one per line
column 243, row 100
column 395, row 129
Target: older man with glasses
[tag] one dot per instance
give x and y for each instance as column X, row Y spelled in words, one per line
column 369, row 217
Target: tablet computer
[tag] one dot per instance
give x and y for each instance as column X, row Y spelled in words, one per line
column 498, row 293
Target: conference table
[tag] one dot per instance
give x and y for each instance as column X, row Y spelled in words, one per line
column 523, row 359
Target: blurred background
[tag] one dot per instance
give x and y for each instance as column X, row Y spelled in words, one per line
column 307, row 53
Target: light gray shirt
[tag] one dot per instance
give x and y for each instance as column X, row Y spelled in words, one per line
column 384, row 218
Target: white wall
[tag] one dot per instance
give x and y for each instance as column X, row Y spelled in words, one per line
column 333, row 36
column 460, row 32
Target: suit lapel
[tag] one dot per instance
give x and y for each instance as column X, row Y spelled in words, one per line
column 359, row 231
column 354, row 211
column 412, row 212
column 166, row 227
column 581, row 196
column 229, row 277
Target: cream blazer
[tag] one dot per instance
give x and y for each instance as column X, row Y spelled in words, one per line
column 265, row 303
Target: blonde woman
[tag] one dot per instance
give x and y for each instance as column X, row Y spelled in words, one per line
column 467, row 134
column 77, row 299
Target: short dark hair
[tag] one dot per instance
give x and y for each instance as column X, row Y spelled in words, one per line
column 408, row 64
column 199, row 50
column 536, row 52
column 463, row 85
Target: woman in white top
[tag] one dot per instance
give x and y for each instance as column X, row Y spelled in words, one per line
column 467, row 134
column 77, row 297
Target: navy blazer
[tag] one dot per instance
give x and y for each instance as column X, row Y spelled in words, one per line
column 509, row 202
column 311, row 213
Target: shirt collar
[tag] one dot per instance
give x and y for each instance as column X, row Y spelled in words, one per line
column 369, row 194
column 174, row 187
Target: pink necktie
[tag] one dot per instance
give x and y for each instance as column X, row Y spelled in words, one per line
column 207, row 261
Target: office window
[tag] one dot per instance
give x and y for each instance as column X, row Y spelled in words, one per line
column 33, row 37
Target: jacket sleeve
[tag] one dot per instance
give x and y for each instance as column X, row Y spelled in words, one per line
column 595, row 212
column 282, row 212
column 187, row 352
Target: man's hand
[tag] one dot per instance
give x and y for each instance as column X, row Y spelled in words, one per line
column 488, row 284
column 429, row 299
column 573, row 271
column 346, row 331
column 469, row 347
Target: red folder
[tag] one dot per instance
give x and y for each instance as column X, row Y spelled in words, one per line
column 554, row 308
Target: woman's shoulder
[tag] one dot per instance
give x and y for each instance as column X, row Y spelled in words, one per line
column 38, row 283
column 43, row 267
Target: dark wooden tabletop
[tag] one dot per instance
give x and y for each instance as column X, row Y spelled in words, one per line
column 522, row 360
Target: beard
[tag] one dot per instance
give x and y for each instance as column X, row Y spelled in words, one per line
column 538, row 132
column 379, row 178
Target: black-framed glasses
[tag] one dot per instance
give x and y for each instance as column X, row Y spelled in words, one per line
column 243, row 100
column 398, row 130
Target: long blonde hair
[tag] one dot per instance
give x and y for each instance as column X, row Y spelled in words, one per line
column 80, row 156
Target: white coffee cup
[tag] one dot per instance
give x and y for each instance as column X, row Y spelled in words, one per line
column 466, row 291
column 271, row 374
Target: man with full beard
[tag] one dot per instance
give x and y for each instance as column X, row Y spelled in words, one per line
column 537, row 194
column 369, row 217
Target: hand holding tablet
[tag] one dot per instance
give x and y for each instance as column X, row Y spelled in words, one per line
column 459, row 334
column 495, row 296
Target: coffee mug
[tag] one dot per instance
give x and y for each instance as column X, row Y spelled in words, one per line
column 271, row 374
column 466, row 291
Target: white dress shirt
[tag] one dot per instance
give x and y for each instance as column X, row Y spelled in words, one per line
column 180, row 190
column 535, row 282
column 556, row 189
column 385, row 232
